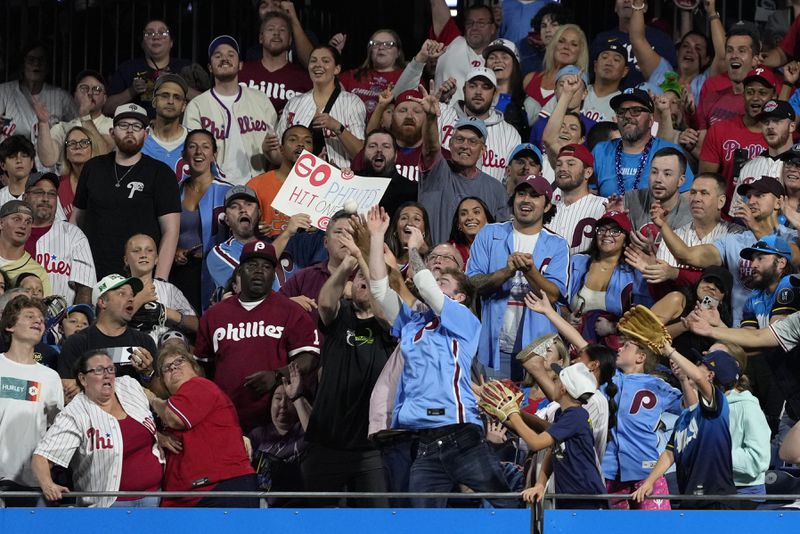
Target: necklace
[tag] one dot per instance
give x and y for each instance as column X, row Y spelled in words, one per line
column 116, row 175
column 618, row 166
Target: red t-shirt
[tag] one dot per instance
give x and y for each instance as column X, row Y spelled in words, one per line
column 723, row 139
column 280, row 85
column 141, row 470
column 213, row 449
column 243, row 342
column 717, row 102
column 789, row 42
column 36, row 233
column 449, row 32
column 369, row 86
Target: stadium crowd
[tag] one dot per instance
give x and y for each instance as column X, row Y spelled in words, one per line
column 165, row 328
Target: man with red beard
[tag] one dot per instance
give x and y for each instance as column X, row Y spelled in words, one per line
column 125, row 193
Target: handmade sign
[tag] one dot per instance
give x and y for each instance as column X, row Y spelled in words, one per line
column 319, row 189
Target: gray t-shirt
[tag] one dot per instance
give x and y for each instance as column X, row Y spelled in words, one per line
column 787, row 331
column 638, row 203
column 441, row 189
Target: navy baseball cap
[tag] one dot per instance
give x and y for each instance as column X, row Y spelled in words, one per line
column 523, row 148
column 793, row 154
column 614, row 47
column 84, row 309
column 725, row 367
column 221, row 40
column 473, row 123
column 767, row 184
column 37, row 177
column 770, row 244
column 632, row 95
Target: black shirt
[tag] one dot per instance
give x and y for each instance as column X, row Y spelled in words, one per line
column 400, row 190
column 353, row 357
column 93, row 338
column 113, row 214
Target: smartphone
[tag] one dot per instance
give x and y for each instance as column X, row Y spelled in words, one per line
column 709, row 302
column 121, row 355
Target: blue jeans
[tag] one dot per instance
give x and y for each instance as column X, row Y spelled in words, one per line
column 144, row 502
column 460, row 457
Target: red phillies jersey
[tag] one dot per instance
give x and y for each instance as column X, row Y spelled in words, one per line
column 213, row 447
column 281, row 85
column 718, row 102
column 722, row 141
column 243, row 342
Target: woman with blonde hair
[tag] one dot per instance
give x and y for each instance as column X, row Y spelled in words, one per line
column 79, row 147
column 568, row 47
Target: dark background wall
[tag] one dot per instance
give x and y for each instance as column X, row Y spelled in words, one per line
column 98, row 34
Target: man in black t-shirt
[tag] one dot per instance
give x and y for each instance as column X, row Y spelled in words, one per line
column 125, row 193
column 340, row 456
column 132, row 351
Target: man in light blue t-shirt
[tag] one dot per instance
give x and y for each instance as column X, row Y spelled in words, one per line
column 624, row 164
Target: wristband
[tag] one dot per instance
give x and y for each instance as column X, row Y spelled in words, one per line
column 640, row 8
column 299, row 396
column 713, row 16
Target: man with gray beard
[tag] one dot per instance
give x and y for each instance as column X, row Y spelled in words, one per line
column 623, row 164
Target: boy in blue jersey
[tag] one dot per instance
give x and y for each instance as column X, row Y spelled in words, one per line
column 632, row 448
column 571, row 456
column 434, row 397
column 700, row 445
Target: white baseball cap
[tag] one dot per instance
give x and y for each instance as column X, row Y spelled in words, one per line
column 577, row 379
column 482, row 72
column 113, row 281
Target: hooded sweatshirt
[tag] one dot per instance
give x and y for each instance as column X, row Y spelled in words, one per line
column 750, row 438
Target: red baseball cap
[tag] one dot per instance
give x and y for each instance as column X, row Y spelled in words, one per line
column 618, row 218
column 764, row 75
column 539, row 184
column 258, row 249
column 580, row 152
column 412, row 95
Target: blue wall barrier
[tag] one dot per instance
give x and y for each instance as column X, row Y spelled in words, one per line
column 387, row 521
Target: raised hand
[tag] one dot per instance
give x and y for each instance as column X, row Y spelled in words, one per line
column 688, row 138
column 430, row 49
column 570, row 84
column 538, row 303
column 429, row 100
column 447, row 90
column 615, row 203
column 791, row 72
column 42, row 113
column 294, row 384
column 377, row 221
column 638, row 259
column 338, row 41
column 658, row 214
column 415, row 240
column 350, row 244
column 659, row 272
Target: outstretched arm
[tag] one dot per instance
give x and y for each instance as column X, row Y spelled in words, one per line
column 540, row 304
column 647, row 58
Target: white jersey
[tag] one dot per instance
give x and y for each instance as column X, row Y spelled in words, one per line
column 501, row 140
column 456, row 62
column 348, row 110
column 31, row 396
column 576, row 222
column 752, row 171
column 85, row 429
column 597, row 108
column 65, row 254
column 689, row 236
column 5, row 196
column 171, row 297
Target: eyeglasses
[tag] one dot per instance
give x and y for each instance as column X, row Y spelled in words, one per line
column 173, row 365
column 383, row 44
column 633, row 112
column 433, row 257
column 91, row 89
column 608, row 230
column 100, row 370
column 170, row 96
column 129, row 126
column 35, row 60
column 82, row 143
column 480, row 24
column 153, row 35
column 471, row 141
column 42, row 193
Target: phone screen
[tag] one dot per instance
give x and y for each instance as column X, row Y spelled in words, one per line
column 121, row 355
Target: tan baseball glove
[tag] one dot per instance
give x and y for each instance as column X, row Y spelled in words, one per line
column 642, row 325
column 498, row 400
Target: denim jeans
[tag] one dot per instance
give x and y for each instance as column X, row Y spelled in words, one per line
column 460, row 457
column 144, row 502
